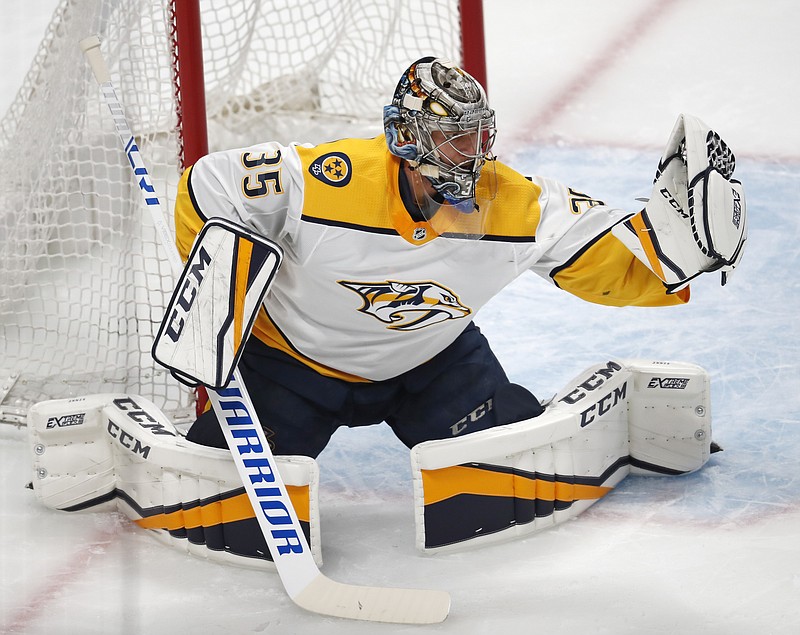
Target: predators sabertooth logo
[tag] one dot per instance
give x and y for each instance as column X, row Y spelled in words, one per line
column 408, row 306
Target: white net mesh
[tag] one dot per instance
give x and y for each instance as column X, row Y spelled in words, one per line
column 83, row 286
column 329, row 73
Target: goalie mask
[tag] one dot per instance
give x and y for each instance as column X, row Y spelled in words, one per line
column 440, row 122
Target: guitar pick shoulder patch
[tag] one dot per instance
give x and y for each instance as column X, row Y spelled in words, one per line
column 333, row 169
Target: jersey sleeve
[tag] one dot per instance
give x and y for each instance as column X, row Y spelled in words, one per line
column 260, row 187
column 581, row 255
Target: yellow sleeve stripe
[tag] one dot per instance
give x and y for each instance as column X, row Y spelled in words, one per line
column 445, row 483
column 219, row 512
column 606, row 272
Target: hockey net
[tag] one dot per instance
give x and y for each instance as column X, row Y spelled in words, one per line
column 83, row 284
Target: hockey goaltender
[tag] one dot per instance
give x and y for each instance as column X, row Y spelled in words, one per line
column 342, row 281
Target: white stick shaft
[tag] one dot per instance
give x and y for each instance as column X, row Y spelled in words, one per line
column 233, row 407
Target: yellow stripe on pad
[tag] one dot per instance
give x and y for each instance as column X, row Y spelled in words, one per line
column 448, row 482
column 225, row 511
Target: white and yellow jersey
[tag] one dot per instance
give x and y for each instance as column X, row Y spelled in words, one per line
column 365, row 293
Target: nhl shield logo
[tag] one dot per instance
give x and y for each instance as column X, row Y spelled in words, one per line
column 408, row 306
column 333, row 169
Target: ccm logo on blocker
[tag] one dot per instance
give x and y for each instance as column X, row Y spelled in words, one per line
column 187, row 296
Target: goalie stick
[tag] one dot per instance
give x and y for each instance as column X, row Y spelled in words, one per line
column 301, row 577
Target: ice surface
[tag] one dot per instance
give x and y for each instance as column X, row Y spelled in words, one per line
column 587, row 92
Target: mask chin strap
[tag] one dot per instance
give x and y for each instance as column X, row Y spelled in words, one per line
column 426, row 169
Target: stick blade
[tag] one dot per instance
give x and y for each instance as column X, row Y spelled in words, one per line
column 374, row 604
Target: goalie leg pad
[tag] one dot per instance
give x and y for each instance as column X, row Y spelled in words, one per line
column 616, row 418
column 512, row 480
column 117, row 451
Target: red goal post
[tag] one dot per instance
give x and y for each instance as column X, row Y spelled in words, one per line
column 83, row 286
column 190, row 86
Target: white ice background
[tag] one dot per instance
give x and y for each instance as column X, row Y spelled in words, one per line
column 586, row 91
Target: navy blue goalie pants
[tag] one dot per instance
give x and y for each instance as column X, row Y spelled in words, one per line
column 463, row 389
